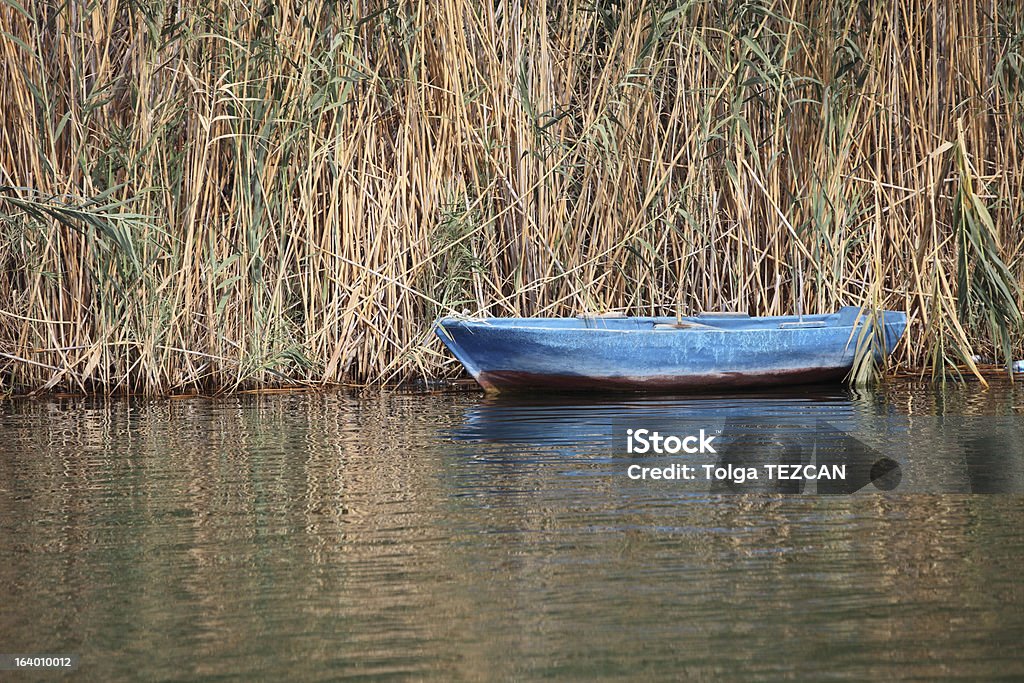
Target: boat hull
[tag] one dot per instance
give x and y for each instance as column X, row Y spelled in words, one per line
column 649, row 354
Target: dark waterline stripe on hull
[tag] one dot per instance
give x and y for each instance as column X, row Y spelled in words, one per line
column 512, row 380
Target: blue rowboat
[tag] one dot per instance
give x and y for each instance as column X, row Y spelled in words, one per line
column 709, row 351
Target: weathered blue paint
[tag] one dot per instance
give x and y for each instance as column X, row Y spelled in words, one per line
column 650, row 354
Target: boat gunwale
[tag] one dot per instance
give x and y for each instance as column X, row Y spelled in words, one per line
column 753, row 324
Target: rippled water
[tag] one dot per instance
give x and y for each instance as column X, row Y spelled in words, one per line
column 449, row 536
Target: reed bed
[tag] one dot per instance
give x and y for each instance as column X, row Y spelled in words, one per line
column 200, row 196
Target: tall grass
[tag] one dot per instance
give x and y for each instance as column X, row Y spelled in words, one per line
column 227, row 194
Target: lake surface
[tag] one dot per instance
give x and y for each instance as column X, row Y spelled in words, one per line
column 450, row 536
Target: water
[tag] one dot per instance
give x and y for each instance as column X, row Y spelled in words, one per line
column 449, row 536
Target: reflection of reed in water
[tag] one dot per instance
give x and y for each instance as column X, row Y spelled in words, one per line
column 217, row 522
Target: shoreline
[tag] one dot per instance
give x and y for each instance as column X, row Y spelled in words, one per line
column 440, row 385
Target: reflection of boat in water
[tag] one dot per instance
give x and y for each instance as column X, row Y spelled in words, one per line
column 767, row 427
column 662, row 354
column 877, row 448
column 549, row 420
